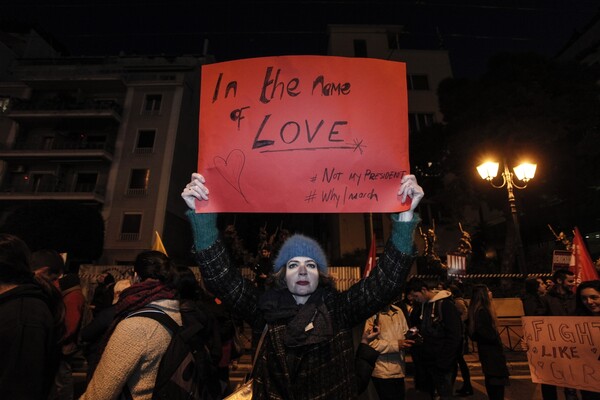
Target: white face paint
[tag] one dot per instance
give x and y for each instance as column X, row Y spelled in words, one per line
column 301, row 277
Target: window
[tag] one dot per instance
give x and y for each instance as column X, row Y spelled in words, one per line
column 360, row 48
column 152, row 103
column 138, row 182
column 130, row 226
column 417, row 82
column 86, row 182
column 145, row 141
column 417, row 121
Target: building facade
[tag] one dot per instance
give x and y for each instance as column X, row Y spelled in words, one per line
column 425, row 69
column 118, row 134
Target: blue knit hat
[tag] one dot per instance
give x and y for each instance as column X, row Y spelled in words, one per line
column 301, row 246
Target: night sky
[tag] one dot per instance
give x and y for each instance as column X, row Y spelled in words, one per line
column 471, row 30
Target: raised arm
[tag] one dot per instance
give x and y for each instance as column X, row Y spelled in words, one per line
column 386, row 281
column 221, row 277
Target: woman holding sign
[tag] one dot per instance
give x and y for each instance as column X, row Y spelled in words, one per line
column 307, row 351
column 482, row 329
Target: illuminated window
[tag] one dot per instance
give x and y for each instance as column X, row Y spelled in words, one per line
column 138, row 181
column 4, row 103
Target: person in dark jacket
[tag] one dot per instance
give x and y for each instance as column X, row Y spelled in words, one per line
column 366, row 358
column 307, row 352
column 483, row 330
column 559, row 301
column 31, row 324
column 49, row 263
column 93, row 333
column 533, row 304
column 442, row 331
column 462, row 307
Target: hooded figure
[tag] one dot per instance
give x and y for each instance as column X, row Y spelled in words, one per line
column 307, row 351
column 442, row 331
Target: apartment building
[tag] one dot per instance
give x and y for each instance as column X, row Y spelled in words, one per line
column 425, row 69
column 119, row 134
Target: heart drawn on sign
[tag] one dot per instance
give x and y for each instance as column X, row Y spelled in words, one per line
column 231, row 169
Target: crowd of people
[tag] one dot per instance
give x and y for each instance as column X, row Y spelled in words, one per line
column 302, row 327
column 558, row 297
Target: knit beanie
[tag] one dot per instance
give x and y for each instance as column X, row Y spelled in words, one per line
column 301, row 246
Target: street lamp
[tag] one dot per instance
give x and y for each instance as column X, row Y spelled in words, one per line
column 524, row 172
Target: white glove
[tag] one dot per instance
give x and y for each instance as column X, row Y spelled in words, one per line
column 195, row 190
column 409, row 188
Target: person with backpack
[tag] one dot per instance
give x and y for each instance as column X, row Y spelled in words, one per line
column 206, row 338
column 134, row 345
column 390, row 368
column 442, row 331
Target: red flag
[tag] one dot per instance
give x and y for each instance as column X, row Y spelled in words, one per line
column 584, row 267
column 372, row 256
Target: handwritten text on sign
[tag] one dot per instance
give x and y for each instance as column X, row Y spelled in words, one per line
column 303, row 134
column 564, row 351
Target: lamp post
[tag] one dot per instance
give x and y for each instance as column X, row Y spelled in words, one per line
column 523, row 172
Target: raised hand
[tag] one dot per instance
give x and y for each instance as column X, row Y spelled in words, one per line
column 409, row 188
column 195, row 190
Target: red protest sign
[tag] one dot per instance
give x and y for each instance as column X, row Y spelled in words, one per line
column 303, row 134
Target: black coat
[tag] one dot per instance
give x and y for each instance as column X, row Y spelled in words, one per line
column 558, row 304
column 489, row 345
column 442, row 331
column 366, row 357
column 29, row 350
column 325, row 368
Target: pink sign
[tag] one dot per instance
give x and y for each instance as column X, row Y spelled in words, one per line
column 303, row 134
column 564, row 351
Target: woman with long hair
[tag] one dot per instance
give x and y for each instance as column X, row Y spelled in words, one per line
column 482, row 328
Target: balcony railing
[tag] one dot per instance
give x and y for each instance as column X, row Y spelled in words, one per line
column 45, row 188
column 65, row 104
column 136, row 192
column 129, row 236
column 78, row 145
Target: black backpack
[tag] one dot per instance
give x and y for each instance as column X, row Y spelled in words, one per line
column 186, row 370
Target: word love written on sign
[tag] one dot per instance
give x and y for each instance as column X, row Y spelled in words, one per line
column 564, row 351
column 303, row 134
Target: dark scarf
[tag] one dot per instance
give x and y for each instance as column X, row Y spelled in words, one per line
column 134, row 298
column 306, row 324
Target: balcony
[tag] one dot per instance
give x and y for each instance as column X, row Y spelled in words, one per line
column 65, row 150
column 59, row 107
column 52, row 191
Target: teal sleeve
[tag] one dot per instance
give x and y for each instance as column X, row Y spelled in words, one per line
column 204, row 229
column 403, row 233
